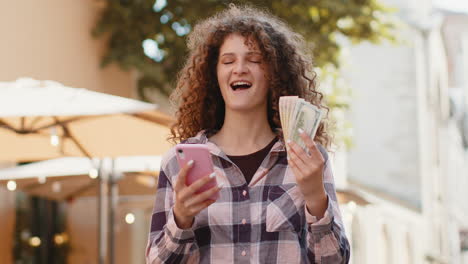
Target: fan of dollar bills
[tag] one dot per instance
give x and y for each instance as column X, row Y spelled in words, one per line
column 297, row 113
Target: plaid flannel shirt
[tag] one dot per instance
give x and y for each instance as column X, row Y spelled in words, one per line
column 265, row 221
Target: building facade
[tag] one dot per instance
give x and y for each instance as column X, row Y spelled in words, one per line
column 409, row 159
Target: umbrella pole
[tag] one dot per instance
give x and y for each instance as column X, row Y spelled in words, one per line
column 102, row 213
column 113, row 195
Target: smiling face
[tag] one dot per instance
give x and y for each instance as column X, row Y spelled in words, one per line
column 241, row 74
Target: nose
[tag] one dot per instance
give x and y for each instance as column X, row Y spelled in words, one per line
column 240, row 67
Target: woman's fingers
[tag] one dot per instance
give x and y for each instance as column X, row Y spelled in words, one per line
column 305, row 165
column 188, row 202
column 297, row 162
column 300, row 153
column 310, row 144
column 296, row 172
column 196, row 199
column 200, row 182
column 198, row 208
column 180, row 184
column 188, row 191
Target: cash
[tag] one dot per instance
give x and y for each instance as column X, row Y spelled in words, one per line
column 297, row 113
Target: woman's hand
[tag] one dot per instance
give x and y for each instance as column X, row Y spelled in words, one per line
column 188, row 204
column 308, row 170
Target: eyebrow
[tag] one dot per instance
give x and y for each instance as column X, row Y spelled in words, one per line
column 248, row 53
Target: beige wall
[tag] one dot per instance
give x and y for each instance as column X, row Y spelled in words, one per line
column 81, row 225
column 130, row 240
column 50, row 39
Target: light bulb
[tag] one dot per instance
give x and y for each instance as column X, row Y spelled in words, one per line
column 93, row 173
column 130, row 218
column 60, row 239
column 56, row 187
column 11, row 185
column 54, row 138
column 35, row 241
column 41, row 179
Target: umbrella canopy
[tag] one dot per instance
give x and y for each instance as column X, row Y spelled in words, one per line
column 68, row 178
column 27, row 97
column 45, row 120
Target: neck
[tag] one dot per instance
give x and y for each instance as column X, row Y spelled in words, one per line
column 244, row 133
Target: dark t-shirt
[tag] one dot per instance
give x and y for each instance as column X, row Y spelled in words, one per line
column 249, row 164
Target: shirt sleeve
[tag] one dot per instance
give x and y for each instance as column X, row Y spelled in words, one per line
column 327, row 242
column 168, row 243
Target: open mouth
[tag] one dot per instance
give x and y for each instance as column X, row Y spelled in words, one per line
column 240, row 85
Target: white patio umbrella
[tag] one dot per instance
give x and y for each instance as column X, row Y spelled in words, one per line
column 45, row 119
column 74, row 177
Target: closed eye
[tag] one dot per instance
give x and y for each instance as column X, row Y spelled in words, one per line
column 255, row 59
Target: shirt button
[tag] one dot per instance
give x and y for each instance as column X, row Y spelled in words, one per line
column 244, row 221
column 244, row 193
column 243, row 253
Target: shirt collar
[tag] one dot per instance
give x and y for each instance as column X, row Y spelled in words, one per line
column 201, row 138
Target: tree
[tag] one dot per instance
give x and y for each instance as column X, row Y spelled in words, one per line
column 149, row 35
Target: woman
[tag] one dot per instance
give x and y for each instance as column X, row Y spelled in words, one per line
column 274, row 206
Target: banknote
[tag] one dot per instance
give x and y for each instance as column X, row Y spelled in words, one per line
column 297, row 113
column 285, row 105
column 308, row 119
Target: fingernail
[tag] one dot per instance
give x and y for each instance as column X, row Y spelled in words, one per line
column 287, row 157
column 190, row 163
column 288, row 141
column 212, row 175
column 220, row 185
column 300, row 130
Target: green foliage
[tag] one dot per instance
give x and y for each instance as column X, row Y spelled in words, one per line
column 338, row 96
column 128, row 23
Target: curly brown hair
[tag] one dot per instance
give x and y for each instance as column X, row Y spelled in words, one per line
column 197, row 94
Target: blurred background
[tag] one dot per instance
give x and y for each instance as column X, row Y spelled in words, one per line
column 78, row 186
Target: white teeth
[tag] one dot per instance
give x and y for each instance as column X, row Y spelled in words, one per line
column 240, row 83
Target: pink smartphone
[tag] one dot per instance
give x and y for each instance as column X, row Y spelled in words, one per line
column 203, row 165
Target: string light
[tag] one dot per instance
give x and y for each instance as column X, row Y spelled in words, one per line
column 60, row 239
column 56, row 187
column 93, row 173
column 130, row 218
column 25, row 234
column 41, row 179
column 54, row 138
column 11, row 185
column 35, row 241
